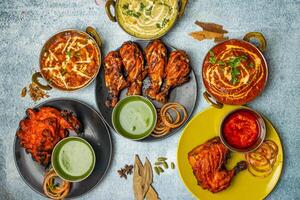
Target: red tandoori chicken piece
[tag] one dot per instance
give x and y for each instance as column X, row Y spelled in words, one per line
column 133, row 62
column 208, row 163
column 114, row 79
column 156, row 56
column 42, row 129
column 177, row 73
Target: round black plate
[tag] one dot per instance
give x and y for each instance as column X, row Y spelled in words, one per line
column 186, row 94
column 95, row 132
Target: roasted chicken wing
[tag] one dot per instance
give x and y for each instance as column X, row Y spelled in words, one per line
column 43, row 128
column 156, row 56
column 177, row 73
column 208, row 163
column 133, row 62
column 114, row 79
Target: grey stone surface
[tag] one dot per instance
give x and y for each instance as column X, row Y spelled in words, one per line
column 26, row 24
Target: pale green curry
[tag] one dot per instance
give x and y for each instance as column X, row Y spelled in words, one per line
column 147, row 19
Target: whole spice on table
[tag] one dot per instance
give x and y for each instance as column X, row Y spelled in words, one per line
column 36, row 93
column 24, row 92
column 161, row 165
column 126, row 170
column 210, row 31
column 142, row 180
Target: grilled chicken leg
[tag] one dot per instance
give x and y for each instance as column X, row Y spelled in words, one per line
column 177, row 72
column 156, row 56
column 133, row 62
column 114, row 79
column 208, row 163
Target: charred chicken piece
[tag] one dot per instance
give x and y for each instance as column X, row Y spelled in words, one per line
column 208, row 163
column 156, row 56
column 42, row 129
column 114, row 79
column 133, row 62
column 177, row 73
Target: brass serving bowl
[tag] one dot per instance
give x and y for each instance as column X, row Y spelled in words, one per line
column 115, row 4
column 91, row 34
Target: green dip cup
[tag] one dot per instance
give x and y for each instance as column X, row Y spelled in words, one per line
column 134, row 117
column 73, row 159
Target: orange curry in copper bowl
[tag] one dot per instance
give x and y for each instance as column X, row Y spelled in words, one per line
column 234, row 72
column 70, row 60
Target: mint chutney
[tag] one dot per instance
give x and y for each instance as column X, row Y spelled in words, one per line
column 134, row 117
column 73, row 159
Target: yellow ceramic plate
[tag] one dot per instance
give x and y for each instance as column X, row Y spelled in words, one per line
column 204, row 126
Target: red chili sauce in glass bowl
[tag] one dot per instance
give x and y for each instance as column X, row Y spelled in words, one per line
column 241, row 129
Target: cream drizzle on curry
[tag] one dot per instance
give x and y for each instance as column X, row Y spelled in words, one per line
column 147, row 18
column 234, row 72
column 70, row 60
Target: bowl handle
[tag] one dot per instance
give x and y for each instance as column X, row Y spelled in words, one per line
column 94, row 34
column 214, row 102
column 262, row 43
column 183, row 4
column 35, row 79
column 108, row 4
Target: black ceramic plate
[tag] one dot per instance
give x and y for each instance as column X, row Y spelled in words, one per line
column 95, row 132
column 186, row 94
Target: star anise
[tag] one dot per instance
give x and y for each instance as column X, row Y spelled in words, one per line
column 128, row 169
column 122, row 173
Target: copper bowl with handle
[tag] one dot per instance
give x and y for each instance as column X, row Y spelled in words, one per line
column 69, row 60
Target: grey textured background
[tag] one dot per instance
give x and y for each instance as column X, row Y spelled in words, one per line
column 26, row 24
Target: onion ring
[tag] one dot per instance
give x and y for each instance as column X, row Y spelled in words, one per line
column 53, row 191
column 273, row 145
column 169, row 106
column 256, row 159
column 262, row 160
column 259, row 174
column 166, row 122
column 161, row 129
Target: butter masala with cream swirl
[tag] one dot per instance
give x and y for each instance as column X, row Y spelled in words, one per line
column 234, row 72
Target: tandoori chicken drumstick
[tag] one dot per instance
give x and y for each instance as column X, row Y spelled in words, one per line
column 133, row 62
column 177, row 73
column 114, row 79
column 156, row 56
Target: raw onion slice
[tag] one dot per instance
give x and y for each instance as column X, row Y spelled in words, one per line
column 262, row 160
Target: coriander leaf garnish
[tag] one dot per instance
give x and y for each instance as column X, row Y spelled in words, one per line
column 63, row 71
column 142, row 6
column 132, row 13
column 125, row 6
column 234, row 81
column 221, row 63
column 68, row 53
column 244, row 57
column 251, row 64
column 212, row 59
column 164, row 22
column 234, row 63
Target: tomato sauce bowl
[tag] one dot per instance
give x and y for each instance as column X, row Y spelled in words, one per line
column 242, row 130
